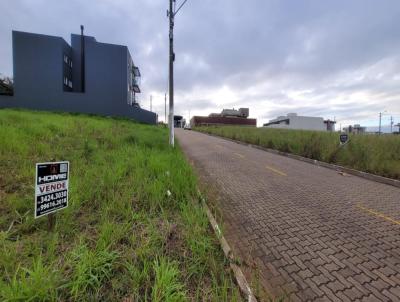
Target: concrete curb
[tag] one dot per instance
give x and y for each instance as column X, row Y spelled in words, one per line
column 239, row 276
column 369, row 176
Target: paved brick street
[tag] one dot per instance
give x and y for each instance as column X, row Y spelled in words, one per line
column 313, row 233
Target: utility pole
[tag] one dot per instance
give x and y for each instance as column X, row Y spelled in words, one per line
column 171, row 74
column 171, row 14
column 391, row 124
column 380, row 121
column 165, row 108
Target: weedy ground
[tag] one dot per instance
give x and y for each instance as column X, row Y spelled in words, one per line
column 377, row 154
column 123, row 237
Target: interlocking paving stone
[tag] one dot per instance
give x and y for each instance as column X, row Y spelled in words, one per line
column 304, row 232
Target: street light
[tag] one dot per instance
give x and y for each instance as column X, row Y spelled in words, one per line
column 171, row 13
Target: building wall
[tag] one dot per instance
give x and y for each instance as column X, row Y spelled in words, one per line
column 301, row 123
column 39, row 72
column 38, row 69
column 106, row 76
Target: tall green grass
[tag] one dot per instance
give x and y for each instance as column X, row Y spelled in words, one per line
column 134, row 228
column 369, row 153
column 167, row 286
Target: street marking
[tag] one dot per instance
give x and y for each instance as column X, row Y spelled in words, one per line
column 276, row 171
column 240, row 155
column 378, row 214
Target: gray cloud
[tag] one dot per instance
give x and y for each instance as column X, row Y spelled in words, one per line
column 329, row 58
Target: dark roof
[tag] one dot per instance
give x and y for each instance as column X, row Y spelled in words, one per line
column 286, row 120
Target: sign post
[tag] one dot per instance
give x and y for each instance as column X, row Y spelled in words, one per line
column 51, row 189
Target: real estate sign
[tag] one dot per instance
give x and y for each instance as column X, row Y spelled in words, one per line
column 51, row 187
column 344, row 137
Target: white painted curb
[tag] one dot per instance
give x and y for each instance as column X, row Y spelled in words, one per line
column 240, row 278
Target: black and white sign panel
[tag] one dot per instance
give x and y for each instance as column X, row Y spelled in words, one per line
column 344, row 138
column 51, row 187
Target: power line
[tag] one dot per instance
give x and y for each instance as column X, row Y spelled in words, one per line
column 180, row 7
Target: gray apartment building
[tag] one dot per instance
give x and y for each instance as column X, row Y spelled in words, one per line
column 85, row 77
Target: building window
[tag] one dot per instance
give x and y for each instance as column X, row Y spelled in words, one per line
column 67, row 60
column 67, row 82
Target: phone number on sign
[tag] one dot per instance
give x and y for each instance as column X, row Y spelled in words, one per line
column 53, row 204
column 51, row 197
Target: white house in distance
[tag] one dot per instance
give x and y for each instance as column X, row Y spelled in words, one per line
column 297, row 122
column 356, row 129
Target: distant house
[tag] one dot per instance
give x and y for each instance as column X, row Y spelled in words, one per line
column 297, row 122
column 398, row 125
column 356, row 129
column 226, row 117
column 179, row 121
column 86, row 76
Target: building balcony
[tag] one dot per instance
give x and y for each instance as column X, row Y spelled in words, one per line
column 136, row 79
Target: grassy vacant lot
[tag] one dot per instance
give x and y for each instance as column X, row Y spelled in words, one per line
column 134, row 229
column 370, row 153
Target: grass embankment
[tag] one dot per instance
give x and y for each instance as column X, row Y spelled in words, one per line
column 123, row 237
column 370, row 153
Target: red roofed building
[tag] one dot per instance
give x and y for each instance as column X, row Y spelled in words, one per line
column 226, row 117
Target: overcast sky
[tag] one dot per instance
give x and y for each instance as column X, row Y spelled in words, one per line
column 331, row 58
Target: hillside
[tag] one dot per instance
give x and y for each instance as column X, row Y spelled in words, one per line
column 134, row 229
